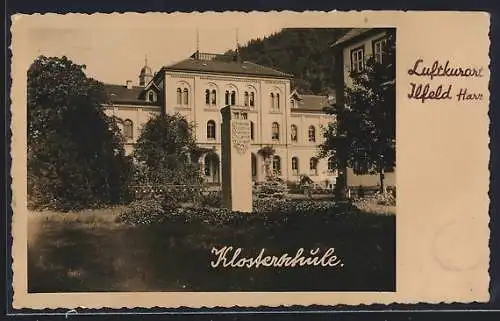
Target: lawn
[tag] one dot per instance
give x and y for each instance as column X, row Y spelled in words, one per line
column 88, row 251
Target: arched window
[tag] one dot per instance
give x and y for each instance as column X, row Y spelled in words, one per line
column 277, row 101
column 295, row 166
column 293, row 133
column 151, row 96
column 210, row 129
column 276, row 131
column 128, row 129
column 313, row 166
column 251, row 130
column 179, row 96
column 331, row 164
column 252, row 99
column 247, row 98
column 312, row 134
column 233, row 98
column 277, row 164
column 227, row 98
column 207, row 97
column 186, row 96
column 272, row 100
column 214, row 97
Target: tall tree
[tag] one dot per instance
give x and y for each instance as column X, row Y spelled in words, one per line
column 76, row 157
column 367, row 128
column 167, row 151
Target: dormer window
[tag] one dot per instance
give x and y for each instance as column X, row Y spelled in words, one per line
column 151, row 96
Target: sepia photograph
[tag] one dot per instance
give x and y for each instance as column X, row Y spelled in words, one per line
column 200, row 159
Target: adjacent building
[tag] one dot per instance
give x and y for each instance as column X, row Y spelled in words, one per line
column 351, row 53
column 200, row 85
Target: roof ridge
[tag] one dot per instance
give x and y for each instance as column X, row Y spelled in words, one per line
column 276, row 70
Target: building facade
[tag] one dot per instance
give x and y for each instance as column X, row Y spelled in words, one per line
column 199, row 86
column 351, row 53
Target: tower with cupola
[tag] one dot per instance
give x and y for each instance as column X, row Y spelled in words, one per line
column 146, row 74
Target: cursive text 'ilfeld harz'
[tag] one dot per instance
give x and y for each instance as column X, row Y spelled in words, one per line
column 227, row 256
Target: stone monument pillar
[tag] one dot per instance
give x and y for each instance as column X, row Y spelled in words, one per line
column 236, row 159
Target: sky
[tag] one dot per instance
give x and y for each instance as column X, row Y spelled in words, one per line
column 114, row 47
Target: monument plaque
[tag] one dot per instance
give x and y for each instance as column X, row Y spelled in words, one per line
column 241, row 135
column 236, row 159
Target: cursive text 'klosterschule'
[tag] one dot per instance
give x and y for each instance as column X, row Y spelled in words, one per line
column 225, row 257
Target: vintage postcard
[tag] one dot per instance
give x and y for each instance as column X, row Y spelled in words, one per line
column 249, row 159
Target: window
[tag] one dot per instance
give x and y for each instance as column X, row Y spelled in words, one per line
column 151, row 96
column 312, row 134
column 251, row 130
column 207, row 97
column 331, row 164
column 210, row 129
column 208, row 166
column 254, row 165
column 295, row 166
column 247, row 99
column 233, row 98
column 252, row 99
column 378, row 49
column 277, row 101
column 293, row 103
column 357, row 59
column 227, row 98
column 179, row 96
column 293, row 133
column 214, row 97
column 128, row 129
column 313, row 166
column 277, row 165
column 186, row 96
column 272, row 100
column 276, row 131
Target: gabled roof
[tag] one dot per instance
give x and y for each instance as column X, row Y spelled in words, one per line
column 120, row 94
column 225, row 66
column 351, row 34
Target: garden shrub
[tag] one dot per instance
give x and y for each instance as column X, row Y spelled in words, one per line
column 268, row 210
column 212, row 199
column 144, row 211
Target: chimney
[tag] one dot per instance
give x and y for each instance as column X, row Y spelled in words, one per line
column 129, row 84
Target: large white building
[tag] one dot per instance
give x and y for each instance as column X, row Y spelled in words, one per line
column 199, row 86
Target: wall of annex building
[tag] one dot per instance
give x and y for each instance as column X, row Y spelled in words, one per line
column 367, row 44
column 138, row 115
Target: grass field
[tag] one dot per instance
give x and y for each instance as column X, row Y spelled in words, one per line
column 88, row 251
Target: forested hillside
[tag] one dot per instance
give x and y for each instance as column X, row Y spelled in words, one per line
column 305, row 53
